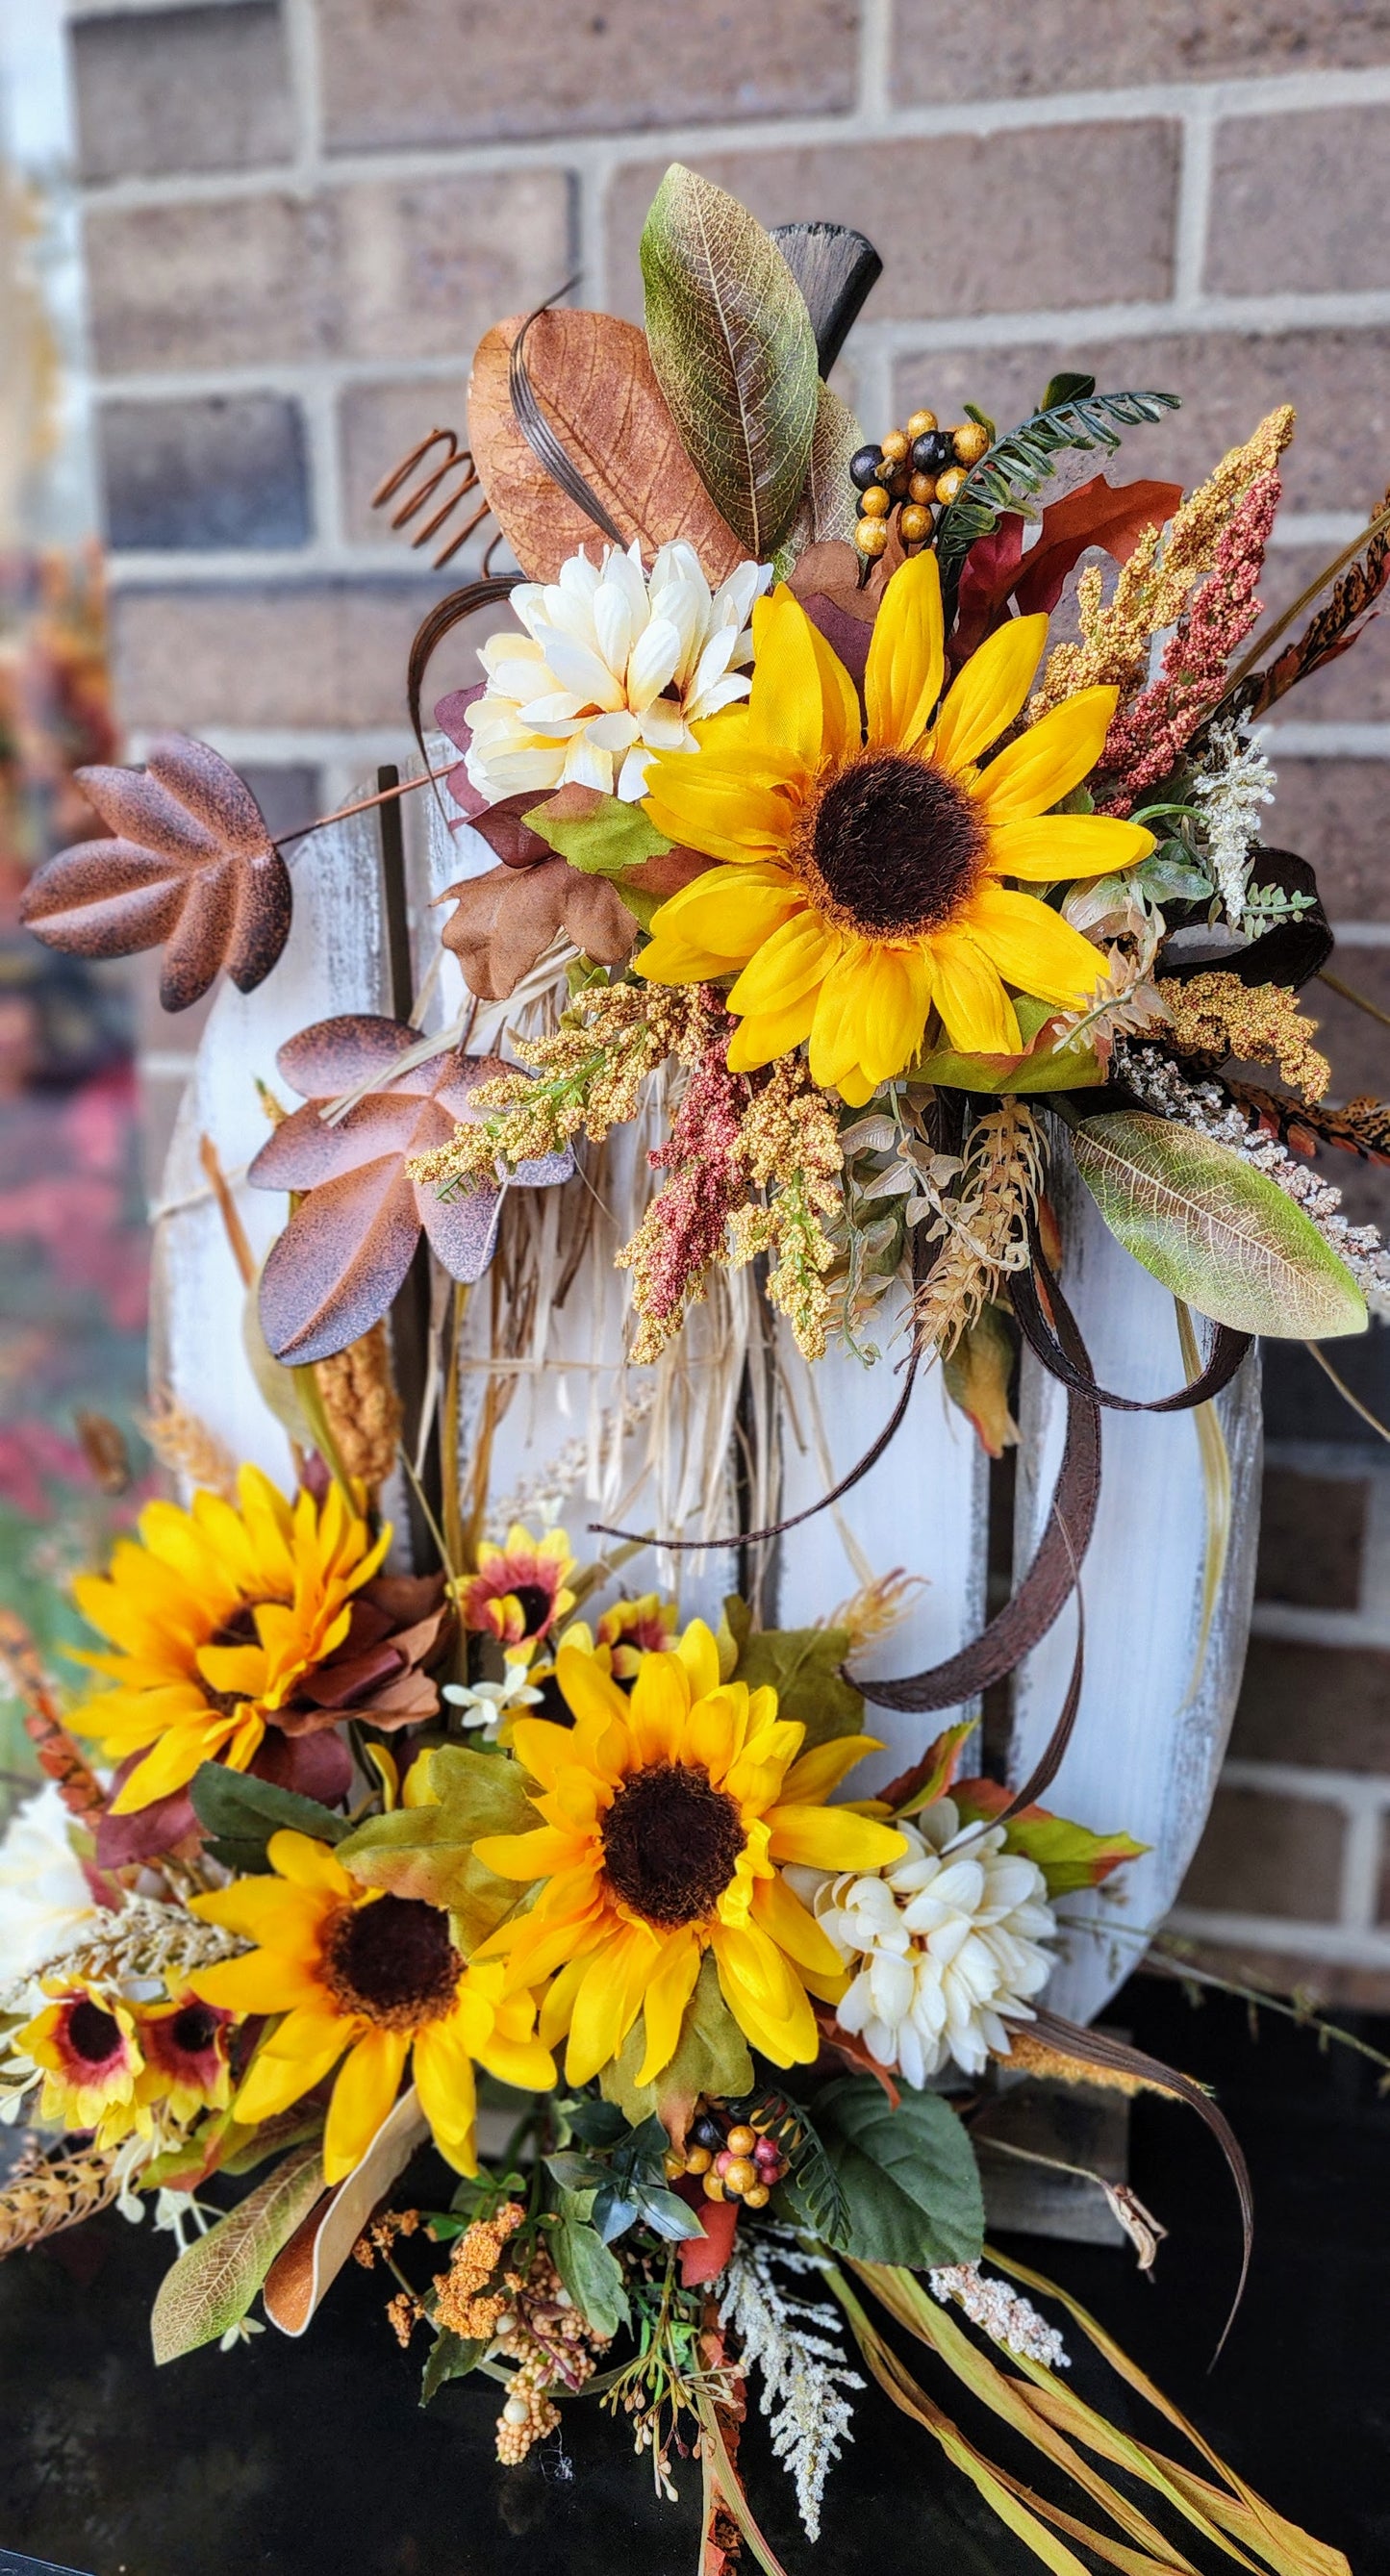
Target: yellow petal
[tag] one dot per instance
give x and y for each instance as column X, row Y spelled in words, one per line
column 841, row 1011
column 261, row 1981
column 779, row 1912
column 659, row 1708
column 700, row 1656
column 903, row 679
column 362, row 2096
column 538, row 1854
column 764, row 1035
column 786, row 704
column 1053, row 846
column 822, row 1769
column 842, row 725
column 1049, row 760
column 789, row 961
column 171, row 1763
column 307, row 1863
column 721, row 812
column 978, row 1015
column 443, row 2072
column 541, row 1747
column 663, row 2004
column 767, row 2001
column 587, row 1689
column 989, row 693
column 729, row 912
column 898, row 998
column 272, row 2083
column 608, row 2000
column 265, row 1909
column 832, row 1838
column 1033, row 947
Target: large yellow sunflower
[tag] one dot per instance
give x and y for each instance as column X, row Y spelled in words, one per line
column 217, row 1614
column 861, row 876
column 356, row 1969
column 668, row 1811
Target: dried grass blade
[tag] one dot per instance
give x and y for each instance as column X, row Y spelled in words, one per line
column 1302, row 2555
column 728, row 2485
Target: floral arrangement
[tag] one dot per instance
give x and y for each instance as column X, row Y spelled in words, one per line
column 811, row 828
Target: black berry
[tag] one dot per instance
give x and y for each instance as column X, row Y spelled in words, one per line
column 863, row 468
column 932, row 452
column 706, row 2132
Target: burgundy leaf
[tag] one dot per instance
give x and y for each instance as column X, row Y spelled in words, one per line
column 316, row 1766
column 191, row 864
column 449, row 715
column 1097, row 513
column 348, row 1245
column 508, row 834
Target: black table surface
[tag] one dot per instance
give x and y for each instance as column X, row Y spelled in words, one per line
column 314, row 2459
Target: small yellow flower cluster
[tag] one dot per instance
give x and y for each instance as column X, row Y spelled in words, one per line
column 1218, row 1016
column 589, row 1076
column 1153, row 587
column 463, row 2302
column 790, row 1131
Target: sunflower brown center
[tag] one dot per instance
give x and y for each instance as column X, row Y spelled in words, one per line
column 536, row 1606
column 894, row 847
column 671, row 1842
column 193, row 2028
column 93, row 2035
column 392, row 1961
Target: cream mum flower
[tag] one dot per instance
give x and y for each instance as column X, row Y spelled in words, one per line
column 45, row 1900
column 943, row 1944
column 614, row 664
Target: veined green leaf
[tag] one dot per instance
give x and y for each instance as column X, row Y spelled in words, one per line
column 711, row 2057
column 591, row 2273
column 213, row 2283
column 452, row 2356
column 1069, row 1855
column 734, row 352
column 242, row 1812
column 604, row 842
column 826, row 509
column 803, row 1667
column 911, row 2186
column 427, row 1852
column 1214, row 1229
column 1045, row 1067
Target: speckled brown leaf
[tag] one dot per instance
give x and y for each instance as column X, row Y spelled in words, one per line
column 503, row 922
column 191, row 867
column 596, row 385
column 347, row 1247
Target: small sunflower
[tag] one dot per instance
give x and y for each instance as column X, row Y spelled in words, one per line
column 861, row 876
column 632, row 1629
column 185, row 2049
column 518, row 1592
column 354, row 1969
column 87, row 2046
column 668, row 1813
column 218, row 1616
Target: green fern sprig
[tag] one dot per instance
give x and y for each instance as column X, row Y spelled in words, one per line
column 1012, row 472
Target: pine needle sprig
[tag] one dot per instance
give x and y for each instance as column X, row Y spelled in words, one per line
column 985, row 1225
column 1013, row 471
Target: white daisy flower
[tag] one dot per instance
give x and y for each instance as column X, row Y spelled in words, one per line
column 45, row 1900
column 944, row 1943
column 613, row 665
column 487, row 1703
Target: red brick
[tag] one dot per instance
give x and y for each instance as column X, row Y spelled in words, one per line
column 944, row 52
column 1298, row 203
column 1263, row 1854
column 186, row 89
column 383, row 268
column 1333, row 812
column 1324, row 1707
column 1312, row 1531
column 1339, row 381
column 464, row 71
column 966, row 223
column 276, row 654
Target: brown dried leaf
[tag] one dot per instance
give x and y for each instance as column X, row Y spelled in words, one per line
column 191, row 867
column 505, row 920
column 595, row 383
column 336, row 1268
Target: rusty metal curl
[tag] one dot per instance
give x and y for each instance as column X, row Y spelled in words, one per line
column 455, row 459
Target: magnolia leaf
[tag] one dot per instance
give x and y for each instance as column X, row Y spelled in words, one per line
column 933, row 1776
column 427, row 1852
column 976, row 1376
column 1069, row 1855
column 192, row 869
column 243, row 1812
column 310, row 2263
column 908, row 2175
column 803, row 1666
column 452, row 2356
column 593, row 379
column 711, row 2057
column 336, row 1268
column 597, row 833
column 827, row 510
column 214, row 2281
column 734, row 352
column 592, row 2274
column 1215, row 1230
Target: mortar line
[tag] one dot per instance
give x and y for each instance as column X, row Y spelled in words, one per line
column 1194, row 199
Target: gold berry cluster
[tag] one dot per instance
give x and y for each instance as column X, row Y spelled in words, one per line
column 735, row 2160
column 543, row 2334
column 914, row 471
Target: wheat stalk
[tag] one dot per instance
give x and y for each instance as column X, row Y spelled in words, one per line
column 985, row 1225
column 143, row 1939
column 184, row 1444
column 46, row 2198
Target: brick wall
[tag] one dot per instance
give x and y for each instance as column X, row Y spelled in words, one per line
column 301, row 213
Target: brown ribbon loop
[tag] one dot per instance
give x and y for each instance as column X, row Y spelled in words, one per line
column 1228, row 1349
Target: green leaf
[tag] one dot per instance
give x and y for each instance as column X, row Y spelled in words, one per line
column 937, row 1769
column 828, row 507
column 243, row 1812
column 1214, row 1229
column 604, row 842
column 427, row 1852
column 734, row 352
column 711, row 2057
column 452, row 2356
column 803, row 1667
column 1045, row 1067
column 908, row 2175
column 592, row 2274
column 1066, row 389
column 213, row 2283
column 1069, row 1855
